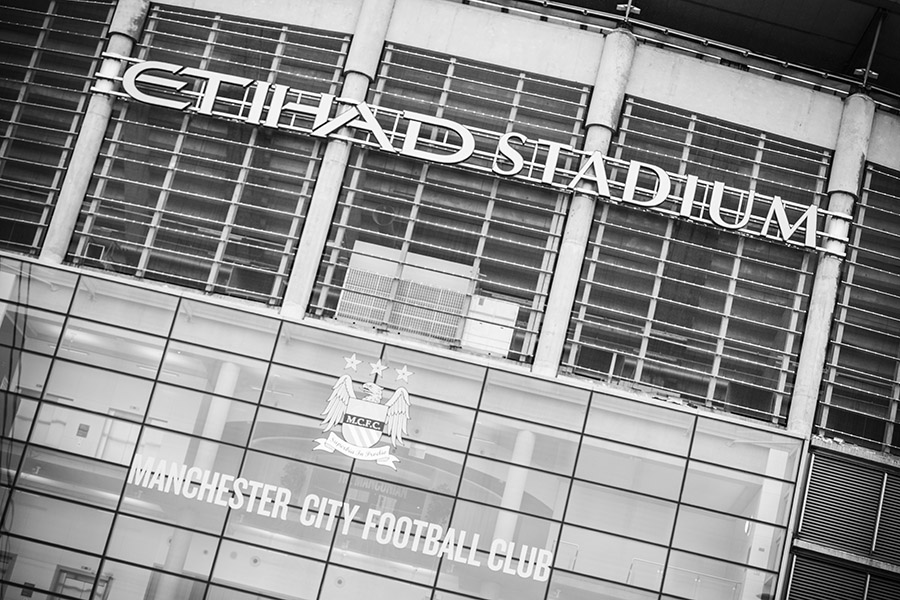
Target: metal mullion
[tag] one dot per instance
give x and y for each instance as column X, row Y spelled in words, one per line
column 789, row 339
column 341, row 225
column 583, row 303
column 654, row 299
column 723, row 324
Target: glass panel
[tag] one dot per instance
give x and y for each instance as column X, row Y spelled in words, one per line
column 85, row 433
column 293, row 436
column 124, row 306
column 497, row 575
column 729, row 538
column 621, row 512
column 201, row 414
column 29, row 328
column 153, row 492
column 12, row 456
column 736, row 493
column 639, row 423
column 504, row 532
column 342, row 583
column 26, row 373
column 72, row 477
column 524, row 444
column 707, row 579
column 322, row 351
column 225, row 329
column 439, row 424
column 110, row 347
column 297, row 391
column 421, row 466
column 535, row 400
column 516, row 488
column 170, row 548
column 98, row 390
column 63, row 523
column 310, row 486
column 16, row 415
column 126, row 581
column 213, row 371
column 51, row 569
column 577, row 587
column 630, row 468
column 439, row 378
column 763, row 452
column 610, row 557
column 266, row 571
column 36, row 285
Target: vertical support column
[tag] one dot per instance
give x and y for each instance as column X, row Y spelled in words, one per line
column 602, row 119
column 127, row 22
column 359, row 72
column 843, row 189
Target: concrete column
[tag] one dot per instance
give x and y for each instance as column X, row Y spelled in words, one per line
column 602, row 119
column 127, row 23
column 359, row 72
column 844, row 184
column 514, row 489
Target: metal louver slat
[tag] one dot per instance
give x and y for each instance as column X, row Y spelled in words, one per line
column 881, row 588
column 887, row 544
column 814, row 580
column 841, row 505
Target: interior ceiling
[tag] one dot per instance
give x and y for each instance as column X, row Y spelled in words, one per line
column 834, row 36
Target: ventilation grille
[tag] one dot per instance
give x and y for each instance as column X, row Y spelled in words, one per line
column 887, row 545
column 844, row 490
column 813, row 580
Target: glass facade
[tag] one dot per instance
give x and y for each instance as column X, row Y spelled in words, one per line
column 48, row 53
column 110, row 389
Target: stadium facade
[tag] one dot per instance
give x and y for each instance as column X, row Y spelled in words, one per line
column 404, row 299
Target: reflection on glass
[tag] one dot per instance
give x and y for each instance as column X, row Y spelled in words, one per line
column 176, row 449
column 50, row 569
column 639, row 423
column 201, row 414
column 748, row 449
column 213, row 371
column 16, row 415
column 293, row 436
column 170, row 548
column 577, row 587
column 225, row 328
column 340, row 584
column 535, row 400
column 12, row 455
column 439, row 378
column 86, row 434
column 737, row 493
column 515, row 488
column 630, row 468
column 419, row 466
column 127, row 581
column 98, row 390
column 297, row 391
column 266, row 571
column 610, row 557
column 729, row 538
column 524, row 444
column 489, row 575
column 72, row 477
column 124, row 305
column 621, row 512
column 36, row 285
column 24, row 372
column 322, row 351
column 49, row 520
column 516, row 531
column 352, row 550
column 29, row 328
column 110, row 347
column 707, row 579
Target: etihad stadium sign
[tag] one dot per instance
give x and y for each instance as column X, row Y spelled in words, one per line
column 444, row 141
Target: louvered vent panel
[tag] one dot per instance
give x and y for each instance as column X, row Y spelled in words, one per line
column 881, row 588
column 841, row 505
column 887, row 546
column 814, row 580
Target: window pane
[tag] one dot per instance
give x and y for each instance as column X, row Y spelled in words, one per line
column 322, row 351
column 266, row 571
column 112, row 348
column 515, row 488
column 729, row 538
column 620, row 512
column 707, row 579
column 28, row 328
column 127, row 581
column 85, row 433
column 577, row 587
column 524, row 444
column 51, row 569
column 342, row 583
column 124, row 306
column 630, row 468
column 225, row 329
column 293, row 436
column 439, row 378
column 213, row 371
column 201, row 414
column 171, row 548
column 63, row 523
column 98, row 390
column 72, row 477
column 534, row 400
column 763, row 452
column 36, row 285
column 737, row 493
column 611, row 558
column 638, row 423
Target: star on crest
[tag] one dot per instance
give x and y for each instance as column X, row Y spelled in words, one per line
column 403, row 374
column 377, row 368
column 352, row 362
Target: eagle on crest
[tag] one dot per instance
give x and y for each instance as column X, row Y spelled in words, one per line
column 394, row 414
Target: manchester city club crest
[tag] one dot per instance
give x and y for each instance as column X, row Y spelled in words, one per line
column 363, row 421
